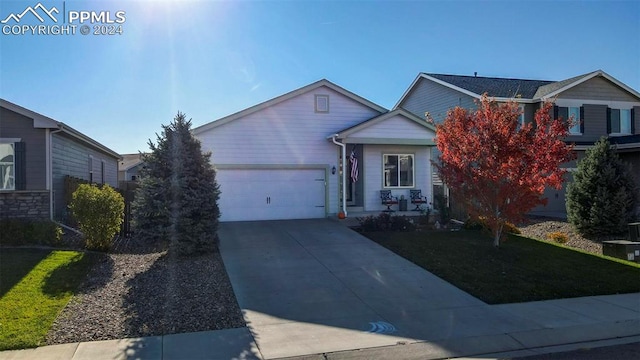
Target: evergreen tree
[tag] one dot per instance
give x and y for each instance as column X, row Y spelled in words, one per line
column 177, row 201
column 602, row 198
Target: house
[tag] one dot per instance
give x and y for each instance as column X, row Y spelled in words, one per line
column 129, row 166
column 289, row 157
column 36, row 154
column 604, row 106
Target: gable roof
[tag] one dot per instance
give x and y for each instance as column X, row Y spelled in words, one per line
column 129, row 161
column 355, row 129
column 564, row 85
column 495, row 87
column 287, row 96
column 365, row 124
column 523, row 90
column 45, row 122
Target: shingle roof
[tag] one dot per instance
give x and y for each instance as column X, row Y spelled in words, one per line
column 548, row 89
column 495, row 87
column 129, row 160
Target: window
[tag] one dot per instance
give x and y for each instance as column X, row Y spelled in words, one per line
column 570, row 113
column 102, row 171
column 574, row 114
column 7, row 166
column 521, row 117
column 322, row 103
column 90, row 169
column 398, row 170
column 619, row 121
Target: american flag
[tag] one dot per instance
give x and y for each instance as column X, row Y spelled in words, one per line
column 354, row 165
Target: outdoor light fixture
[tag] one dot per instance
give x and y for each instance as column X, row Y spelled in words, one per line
column 333, row 170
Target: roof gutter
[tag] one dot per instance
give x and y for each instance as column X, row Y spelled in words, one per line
column 344, row 173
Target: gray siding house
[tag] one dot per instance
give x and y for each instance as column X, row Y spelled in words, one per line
column 603, row 105
column 36, row 154
column 129, row 167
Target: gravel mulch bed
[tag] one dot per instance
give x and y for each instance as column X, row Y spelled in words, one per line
column 133, row 293
column 539, row 227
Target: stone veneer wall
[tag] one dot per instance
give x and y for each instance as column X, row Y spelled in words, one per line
column 29, row 204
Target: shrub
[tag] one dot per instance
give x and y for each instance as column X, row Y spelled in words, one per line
column 480, row 223
column 29, row 232
column 425, row 216
column 557, row 236
column 602, row 198
column 99, row 212
column 511, row 228
column 385, row 222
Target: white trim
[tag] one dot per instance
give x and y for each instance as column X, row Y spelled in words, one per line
column 577, row 120
column 546, row 97
column 582, row 147
column 413, row 171
column 589, row 77
column 626, row 146
column 10, row 140
column 10, row 165
column 612, row 104
column 451, row 86
column 39, row 120
column 43, row 122
column 269, row 103
column 380, row 118
column 458, row 89
column 318, row 108
column 406, row 92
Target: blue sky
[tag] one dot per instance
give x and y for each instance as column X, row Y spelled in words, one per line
column 211, row 59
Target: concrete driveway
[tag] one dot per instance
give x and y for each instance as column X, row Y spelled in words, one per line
column 315, row 286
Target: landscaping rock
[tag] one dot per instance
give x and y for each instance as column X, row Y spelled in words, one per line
column 145, row 294
column 539, row 228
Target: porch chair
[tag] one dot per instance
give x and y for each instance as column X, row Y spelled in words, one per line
column 388, row 199
column 417, row 199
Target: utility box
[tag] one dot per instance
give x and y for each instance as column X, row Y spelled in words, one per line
column 634, row 231
column 622, row 249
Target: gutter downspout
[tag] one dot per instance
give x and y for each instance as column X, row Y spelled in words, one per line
column 344, row 173
column 51, row 169
column 61, row 128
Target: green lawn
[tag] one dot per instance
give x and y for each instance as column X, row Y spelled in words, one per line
column 521, row 270
column 36, row 285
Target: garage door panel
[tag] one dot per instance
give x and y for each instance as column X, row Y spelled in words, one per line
column 270, row 194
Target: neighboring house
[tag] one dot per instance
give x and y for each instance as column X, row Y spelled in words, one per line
column 129, row 167
column 282, row 159
column 36, row 153
column 604, row 106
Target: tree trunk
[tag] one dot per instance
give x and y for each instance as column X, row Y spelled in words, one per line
column 498, row 234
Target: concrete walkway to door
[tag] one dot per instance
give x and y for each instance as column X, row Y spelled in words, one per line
column 315, row 286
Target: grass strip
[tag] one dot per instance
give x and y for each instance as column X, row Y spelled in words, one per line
column 521, row 270
column 36, row 292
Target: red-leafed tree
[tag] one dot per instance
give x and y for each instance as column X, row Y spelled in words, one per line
column 498, row 168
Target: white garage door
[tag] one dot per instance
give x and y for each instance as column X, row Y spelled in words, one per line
column 265, row 194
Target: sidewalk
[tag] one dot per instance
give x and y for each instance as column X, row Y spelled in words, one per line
column 313, row 289
column 240, row 344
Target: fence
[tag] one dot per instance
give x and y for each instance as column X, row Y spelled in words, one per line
column 128, row 191
column 126, row 188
